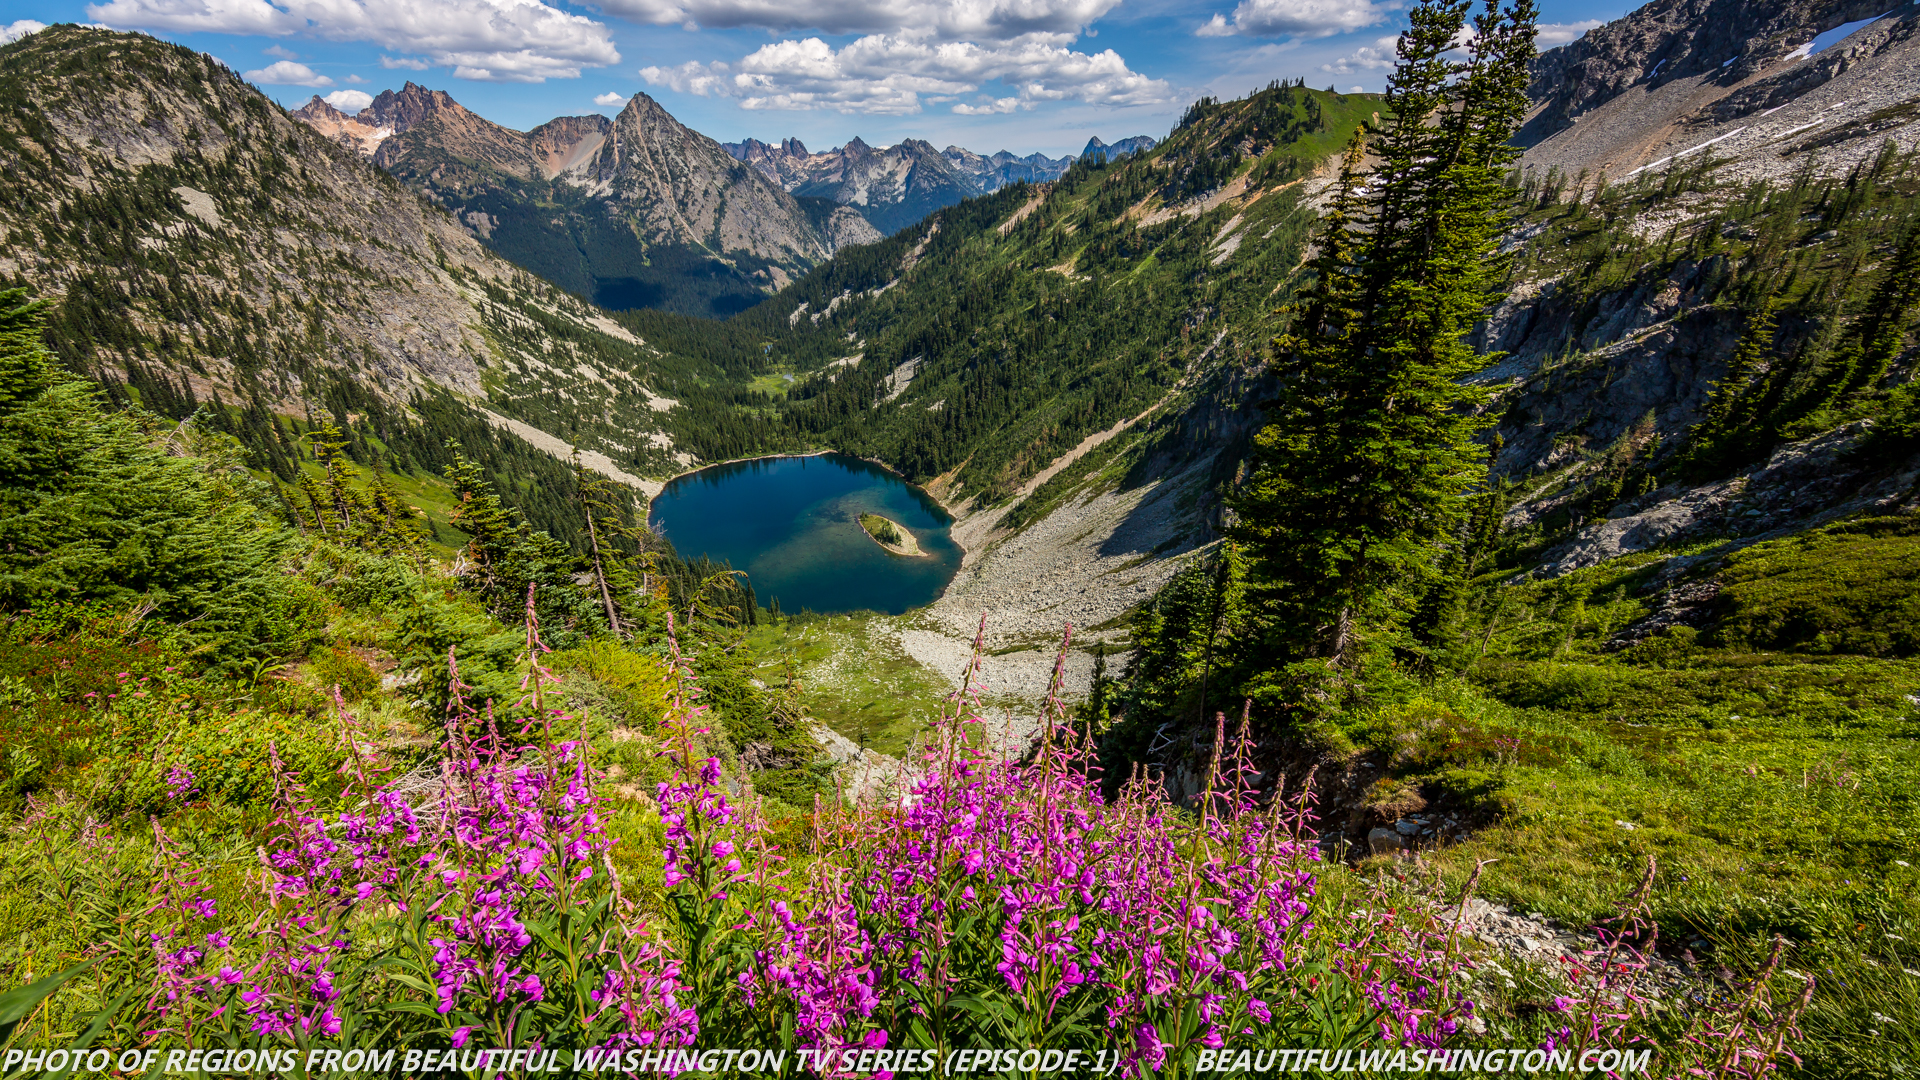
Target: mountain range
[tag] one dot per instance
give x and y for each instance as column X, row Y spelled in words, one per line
column 641, row 211
column 896, row 186
column 632, row 211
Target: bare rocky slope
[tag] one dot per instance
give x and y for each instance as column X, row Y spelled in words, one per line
column 1773, row 85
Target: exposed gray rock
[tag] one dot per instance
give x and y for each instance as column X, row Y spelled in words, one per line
column 1384, row 841
column 1801, row 485
column 1678, row 77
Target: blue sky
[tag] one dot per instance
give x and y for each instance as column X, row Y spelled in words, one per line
column 1019, row 75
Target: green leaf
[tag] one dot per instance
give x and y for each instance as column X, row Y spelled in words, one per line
column 16, row 1005
column 100, row 1021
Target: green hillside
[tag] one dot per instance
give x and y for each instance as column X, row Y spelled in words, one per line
column 1033, row 317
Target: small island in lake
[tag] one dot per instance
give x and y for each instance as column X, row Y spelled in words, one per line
column 890, row 535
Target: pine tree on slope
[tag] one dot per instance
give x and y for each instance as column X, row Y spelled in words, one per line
column 1370, row 454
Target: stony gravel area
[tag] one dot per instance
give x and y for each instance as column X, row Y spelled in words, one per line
column 1085, row 564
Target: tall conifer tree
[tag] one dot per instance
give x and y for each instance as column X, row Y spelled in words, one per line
column 611, row 536
column 1370, row 454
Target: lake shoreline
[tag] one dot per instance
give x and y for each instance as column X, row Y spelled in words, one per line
column 754, row 505
column 952, row 517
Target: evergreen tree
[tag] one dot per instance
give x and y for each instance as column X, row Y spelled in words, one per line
column 1181, row 639
column 504, row 556
column 1884, row 324
column 1726, row 431
column 1364, row 470
column 90, row 509
column 612, row 537
column 375, row 518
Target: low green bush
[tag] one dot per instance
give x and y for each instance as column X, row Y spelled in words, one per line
column 337, row 666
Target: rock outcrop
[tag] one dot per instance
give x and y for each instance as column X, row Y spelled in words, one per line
column 1768, row 83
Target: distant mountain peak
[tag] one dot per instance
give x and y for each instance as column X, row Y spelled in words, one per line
column 320, row 109
column 893, row 186
column 1100, row 151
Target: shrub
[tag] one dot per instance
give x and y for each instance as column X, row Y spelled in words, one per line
column 338, row 666
column 91, row 510
column 161, row 743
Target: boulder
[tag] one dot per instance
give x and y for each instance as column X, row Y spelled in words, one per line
column 1384, row 841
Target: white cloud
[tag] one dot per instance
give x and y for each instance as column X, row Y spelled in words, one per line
column 404, row 63
column 18, row 29
column 1378, row 56
column 1057, row 21
column 609, row 99
column 492, row 40
column 910, row 53
column 287, row 73
column 991, row 106
column 887, row 74
column 1298, row 18
column 281, row 51
column 1553, row 35
column 349, row 101
column 1356, row 89
column 691, row 77
column 353, row 80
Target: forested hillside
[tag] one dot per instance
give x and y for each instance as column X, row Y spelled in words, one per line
column 998, row 333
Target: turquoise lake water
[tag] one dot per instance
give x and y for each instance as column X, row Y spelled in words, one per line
column 793, row 524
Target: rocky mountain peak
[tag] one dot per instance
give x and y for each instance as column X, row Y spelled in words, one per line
column 644, row 113
column 412, row 105
column 319, row 109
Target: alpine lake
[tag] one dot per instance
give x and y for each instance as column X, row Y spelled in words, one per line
column 793, row 524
